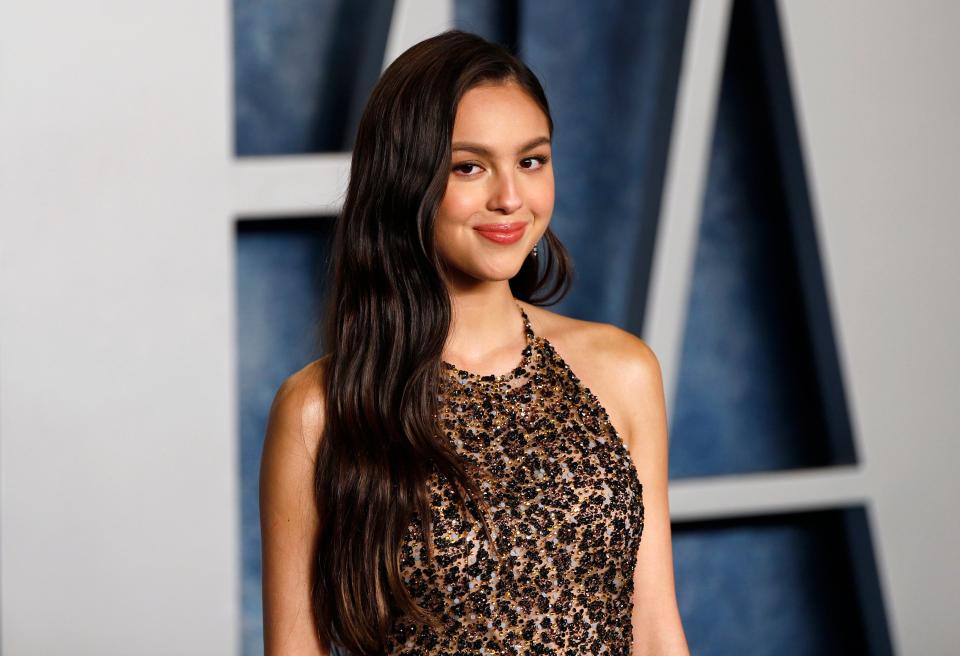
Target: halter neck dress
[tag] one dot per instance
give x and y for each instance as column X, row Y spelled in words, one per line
column 565, row 509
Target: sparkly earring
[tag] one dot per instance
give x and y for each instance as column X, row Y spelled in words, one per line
column 534, row 251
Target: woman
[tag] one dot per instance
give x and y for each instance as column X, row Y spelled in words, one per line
column 410, row 505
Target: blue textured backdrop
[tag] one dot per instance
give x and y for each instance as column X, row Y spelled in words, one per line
column 747, row 394
column 748, row 397
column 279, row 290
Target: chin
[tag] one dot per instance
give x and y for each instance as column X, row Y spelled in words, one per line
column 497, row 273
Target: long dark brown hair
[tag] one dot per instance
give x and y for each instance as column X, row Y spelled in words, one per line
column 387, row 318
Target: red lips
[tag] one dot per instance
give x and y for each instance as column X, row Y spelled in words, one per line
column 502, row 233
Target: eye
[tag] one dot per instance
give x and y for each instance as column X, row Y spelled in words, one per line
column 542, row 159
column 458, row 167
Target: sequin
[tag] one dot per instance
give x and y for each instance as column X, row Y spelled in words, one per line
column 565, row 508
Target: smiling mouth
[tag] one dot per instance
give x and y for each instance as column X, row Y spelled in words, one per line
column 502, row 233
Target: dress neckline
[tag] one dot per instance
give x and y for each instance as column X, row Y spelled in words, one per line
column 519, row 370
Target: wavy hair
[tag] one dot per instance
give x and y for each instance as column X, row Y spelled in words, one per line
column 386, row 322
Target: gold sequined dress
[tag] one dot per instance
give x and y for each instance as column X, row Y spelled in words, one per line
column 565, row 511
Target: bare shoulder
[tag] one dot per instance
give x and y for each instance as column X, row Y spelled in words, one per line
column 629, row 355
column 619, row 367
column 298, row 407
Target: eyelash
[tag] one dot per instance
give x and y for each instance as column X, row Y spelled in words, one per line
column 543, row 159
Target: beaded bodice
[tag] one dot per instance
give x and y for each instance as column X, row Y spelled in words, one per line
column 565, row 509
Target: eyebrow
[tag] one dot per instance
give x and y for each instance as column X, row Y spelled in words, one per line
column 483, row 150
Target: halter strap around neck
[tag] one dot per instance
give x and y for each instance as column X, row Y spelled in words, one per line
column 526, row 324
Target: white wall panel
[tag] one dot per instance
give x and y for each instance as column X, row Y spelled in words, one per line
column 117, row 418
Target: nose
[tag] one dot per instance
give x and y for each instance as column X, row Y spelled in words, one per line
column 506, row 195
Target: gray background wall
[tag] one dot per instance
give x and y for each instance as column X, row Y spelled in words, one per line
column 778, row 197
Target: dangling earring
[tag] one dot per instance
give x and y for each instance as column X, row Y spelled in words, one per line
column 534, row 252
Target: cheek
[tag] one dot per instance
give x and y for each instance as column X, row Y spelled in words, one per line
column 542, row 201
column 459, row 203
column 453, row 214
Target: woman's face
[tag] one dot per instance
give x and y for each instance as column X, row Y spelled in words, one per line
column 500, row 173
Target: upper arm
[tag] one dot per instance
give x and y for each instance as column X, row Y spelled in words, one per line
column 288, row 516
column 657, row 626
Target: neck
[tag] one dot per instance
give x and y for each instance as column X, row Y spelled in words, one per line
column 486, row 325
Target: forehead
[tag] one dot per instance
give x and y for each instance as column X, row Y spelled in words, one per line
column 501, row 115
